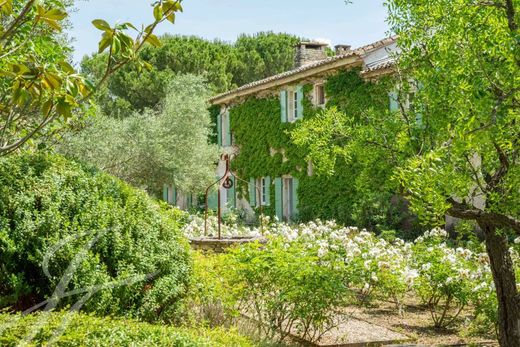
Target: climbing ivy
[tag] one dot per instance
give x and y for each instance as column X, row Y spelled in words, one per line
column 360, row 192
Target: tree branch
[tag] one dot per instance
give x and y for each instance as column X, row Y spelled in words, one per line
column 465, row 211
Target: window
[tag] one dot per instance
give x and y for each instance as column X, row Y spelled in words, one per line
column 262, row 185
column 288, row 198
column 292, row 106
column 319, row 95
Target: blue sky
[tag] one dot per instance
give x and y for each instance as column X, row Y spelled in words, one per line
column 356, row 24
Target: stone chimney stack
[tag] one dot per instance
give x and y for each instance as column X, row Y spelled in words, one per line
column 309, row 52
column 342, row 49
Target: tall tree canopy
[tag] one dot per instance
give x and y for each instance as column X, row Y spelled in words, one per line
column 224, row 65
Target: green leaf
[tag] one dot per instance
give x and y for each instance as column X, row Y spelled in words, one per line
column 106, row 41
column 153, row 40
column 55, row 14
column 101, row 24
column 67, row 67
column 158, row 12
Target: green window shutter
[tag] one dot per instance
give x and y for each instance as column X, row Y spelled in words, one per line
column 268, row 192
column 231, row 194
column 299, row 99
column 394, row 104
column 213, row 200
column 219, row 130
column 190, row 200
column 228, row 128
column 174, row 200
column 278, row 198
column 165, row 193
column 252, row 192
column 294, row 202
column 283, row 105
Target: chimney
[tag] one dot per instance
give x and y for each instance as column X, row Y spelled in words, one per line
column 309, row 52
column 342, row 49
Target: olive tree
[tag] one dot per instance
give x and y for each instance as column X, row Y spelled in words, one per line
column 152, row 147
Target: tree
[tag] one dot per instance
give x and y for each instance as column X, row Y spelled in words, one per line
column 153, row 147
column 454, row 143
column 40, row 92
column 465, row 58
column 262, row 55
column 224, row 65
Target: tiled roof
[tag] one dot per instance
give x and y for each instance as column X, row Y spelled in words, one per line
column 379, row 66
column 287, row 73
column 359, row 52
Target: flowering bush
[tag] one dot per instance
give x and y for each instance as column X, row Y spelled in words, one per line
column 446, row 278
column 305, row 271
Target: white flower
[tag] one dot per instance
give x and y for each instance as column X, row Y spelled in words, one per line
column 517, row 240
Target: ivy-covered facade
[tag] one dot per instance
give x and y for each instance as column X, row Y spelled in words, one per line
column 254, row 123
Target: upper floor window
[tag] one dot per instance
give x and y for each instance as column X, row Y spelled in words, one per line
column 291, row 103
column 319, row 95
column 293, row 106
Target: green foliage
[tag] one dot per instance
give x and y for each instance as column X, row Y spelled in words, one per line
column 286, row 287
column 46, row 200
column 360, row 191
column 42, row 93
column 153, row 148
column 224, row 65
column 86, row 330
column 210, row 300
column 466, row 65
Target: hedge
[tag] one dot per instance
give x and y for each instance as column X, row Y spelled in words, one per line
column 47, row 199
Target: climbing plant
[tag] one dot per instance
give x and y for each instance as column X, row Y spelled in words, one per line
column 356, row 189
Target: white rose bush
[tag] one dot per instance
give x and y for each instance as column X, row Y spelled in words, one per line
column 304, row 273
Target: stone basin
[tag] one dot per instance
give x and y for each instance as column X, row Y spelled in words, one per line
column 216, row 245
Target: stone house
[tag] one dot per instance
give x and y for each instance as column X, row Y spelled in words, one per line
column 312, row 68
column 280, row 193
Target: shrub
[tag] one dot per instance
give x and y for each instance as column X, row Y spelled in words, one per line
column 47, row 199
column 446, row 276
column 287, row 287
column 86, row 330
column 210, row 300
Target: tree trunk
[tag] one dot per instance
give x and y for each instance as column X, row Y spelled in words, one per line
column 505, row 283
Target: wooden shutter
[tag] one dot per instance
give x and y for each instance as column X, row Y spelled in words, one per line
column 252, row 192
column 394, row 104
column 294, row 197
column 174, row 200
column 268, row 191
column 299, row 102
column 278, row 198
column 283, row 106
column 165, row 193
column 219, row 130
column 228, row 128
